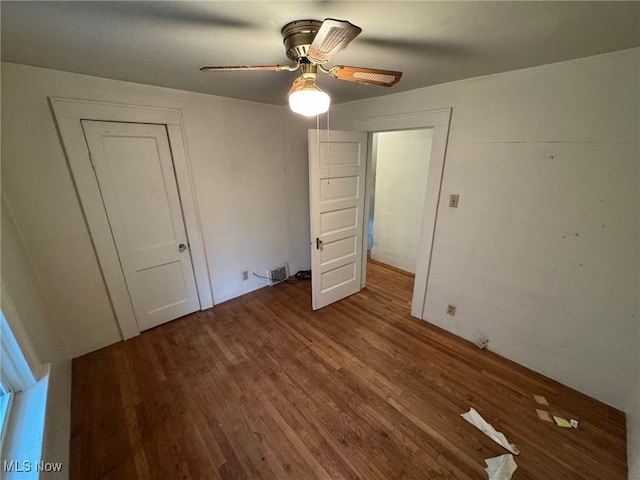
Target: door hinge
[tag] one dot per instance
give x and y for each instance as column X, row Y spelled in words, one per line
column 91, row 160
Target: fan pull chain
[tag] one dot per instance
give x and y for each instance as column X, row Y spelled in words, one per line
column 318, row 134
column 328, row 148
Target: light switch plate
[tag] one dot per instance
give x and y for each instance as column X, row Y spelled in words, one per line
column 453, row 200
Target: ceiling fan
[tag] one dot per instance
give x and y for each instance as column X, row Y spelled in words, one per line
column 311, row 44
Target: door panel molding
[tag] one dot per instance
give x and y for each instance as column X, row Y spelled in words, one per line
column 439, row 120
column 68, row 113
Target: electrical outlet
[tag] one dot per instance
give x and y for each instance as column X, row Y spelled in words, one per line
column 245, row 275
column 453, row 200
column 451, row 310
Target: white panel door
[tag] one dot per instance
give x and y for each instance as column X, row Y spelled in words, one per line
column 135, row 173
column 337, row 167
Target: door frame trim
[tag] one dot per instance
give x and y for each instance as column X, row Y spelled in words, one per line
column 67, row 114
column 439, row 120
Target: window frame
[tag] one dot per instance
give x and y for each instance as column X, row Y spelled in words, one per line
column 19, row 367
column 6, row 402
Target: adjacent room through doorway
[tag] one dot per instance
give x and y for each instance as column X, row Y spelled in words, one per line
column 400, row 168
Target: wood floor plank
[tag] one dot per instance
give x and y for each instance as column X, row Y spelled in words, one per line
column 262, row 387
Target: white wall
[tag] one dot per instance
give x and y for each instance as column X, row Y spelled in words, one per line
column 402, row 166
column 633, row 431
column 38, row 333
column 247, row 172
column 296, row 185
column 633, row 414
column 542, row 253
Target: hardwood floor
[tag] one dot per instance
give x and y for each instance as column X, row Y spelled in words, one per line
column 261, row 387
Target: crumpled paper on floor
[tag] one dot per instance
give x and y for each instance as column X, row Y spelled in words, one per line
column 501, row 468
column 475, row 419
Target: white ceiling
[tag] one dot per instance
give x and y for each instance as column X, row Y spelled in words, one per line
column 165, row 43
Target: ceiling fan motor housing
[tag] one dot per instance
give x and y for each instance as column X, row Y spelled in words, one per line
column 298, row 36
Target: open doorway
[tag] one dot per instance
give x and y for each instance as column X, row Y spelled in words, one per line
column 399, row 173
column 341, row 183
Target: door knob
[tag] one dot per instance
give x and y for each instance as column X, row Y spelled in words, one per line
column 182, row 247
column 318, row 243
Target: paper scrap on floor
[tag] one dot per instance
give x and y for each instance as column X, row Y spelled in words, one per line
column 540, row 400
column 475, row 419
column 501, row 468
column 562, row 422
column 544, row 415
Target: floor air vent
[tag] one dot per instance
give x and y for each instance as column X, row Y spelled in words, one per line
column 278, row 273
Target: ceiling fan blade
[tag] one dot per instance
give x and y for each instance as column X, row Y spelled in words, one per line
column 333, row 36
column 370, row 76
column 250, row 68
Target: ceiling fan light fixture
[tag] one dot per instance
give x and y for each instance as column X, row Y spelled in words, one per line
column 306, row 98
